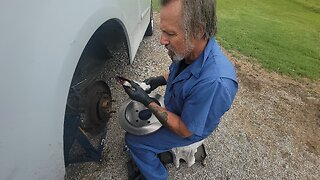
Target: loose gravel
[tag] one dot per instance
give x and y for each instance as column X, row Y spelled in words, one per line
column 272, row 130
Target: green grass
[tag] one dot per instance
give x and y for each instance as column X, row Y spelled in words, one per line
column 282, row 35
column 156, row 5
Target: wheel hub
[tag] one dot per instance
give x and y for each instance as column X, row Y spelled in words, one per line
column 98, row 107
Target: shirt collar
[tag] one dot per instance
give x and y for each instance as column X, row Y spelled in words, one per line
column 195, row 68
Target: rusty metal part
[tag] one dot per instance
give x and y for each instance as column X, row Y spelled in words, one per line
column 98, row 106
column 104, row 107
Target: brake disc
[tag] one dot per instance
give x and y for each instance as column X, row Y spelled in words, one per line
column 136, row 119
column 98, row 107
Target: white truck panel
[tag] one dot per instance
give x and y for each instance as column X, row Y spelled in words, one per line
column 40, row 45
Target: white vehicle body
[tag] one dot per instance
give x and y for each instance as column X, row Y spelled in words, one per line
column 41, row 42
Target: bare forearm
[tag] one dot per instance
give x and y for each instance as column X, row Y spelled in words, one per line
column 169, row 120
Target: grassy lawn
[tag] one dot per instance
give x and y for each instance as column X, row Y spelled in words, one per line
column 156, row 5
column 284, row 36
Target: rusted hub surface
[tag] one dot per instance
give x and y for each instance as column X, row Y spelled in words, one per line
column 98, row 105
column 104, row 107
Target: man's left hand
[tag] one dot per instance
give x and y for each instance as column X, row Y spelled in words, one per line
column 138, row 94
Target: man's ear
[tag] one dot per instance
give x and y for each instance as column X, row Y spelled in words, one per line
column 200, row 33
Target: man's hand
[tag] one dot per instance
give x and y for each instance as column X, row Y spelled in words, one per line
column 138, row 94
column 155, row 82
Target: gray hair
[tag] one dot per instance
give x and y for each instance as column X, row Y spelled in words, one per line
column 198, row 15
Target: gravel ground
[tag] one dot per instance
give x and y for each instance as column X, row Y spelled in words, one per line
column 272, row 130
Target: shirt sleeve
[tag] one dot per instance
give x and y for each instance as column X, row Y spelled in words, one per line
column 205, row 104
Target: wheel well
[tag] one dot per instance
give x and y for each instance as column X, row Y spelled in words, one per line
column 89, row 94
column 109, row 38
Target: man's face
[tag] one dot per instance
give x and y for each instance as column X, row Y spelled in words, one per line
column 173, row 36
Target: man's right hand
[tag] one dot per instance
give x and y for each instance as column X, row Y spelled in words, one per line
column 136, row 93
column 155, row 82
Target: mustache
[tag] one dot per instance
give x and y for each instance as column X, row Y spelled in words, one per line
column 168, row 47
column 171, row 51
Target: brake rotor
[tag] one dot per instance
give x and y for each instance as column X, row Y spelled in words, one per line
column 137, row 119
column 98, row 106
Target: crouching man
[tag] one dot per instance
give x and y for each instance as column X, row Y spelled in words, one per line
column 200, row 86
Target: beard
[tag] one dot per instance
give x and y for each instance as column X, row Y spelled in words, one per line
column 176, row 57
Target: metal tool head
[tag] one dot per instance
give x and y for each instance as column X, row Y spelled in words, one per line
column 122, row 80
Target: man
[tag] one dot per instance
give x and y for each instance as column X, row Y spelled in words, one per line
column 201, row 84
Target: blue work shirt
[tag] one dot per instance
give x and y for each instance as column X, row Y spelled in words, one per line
column 203, row 91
